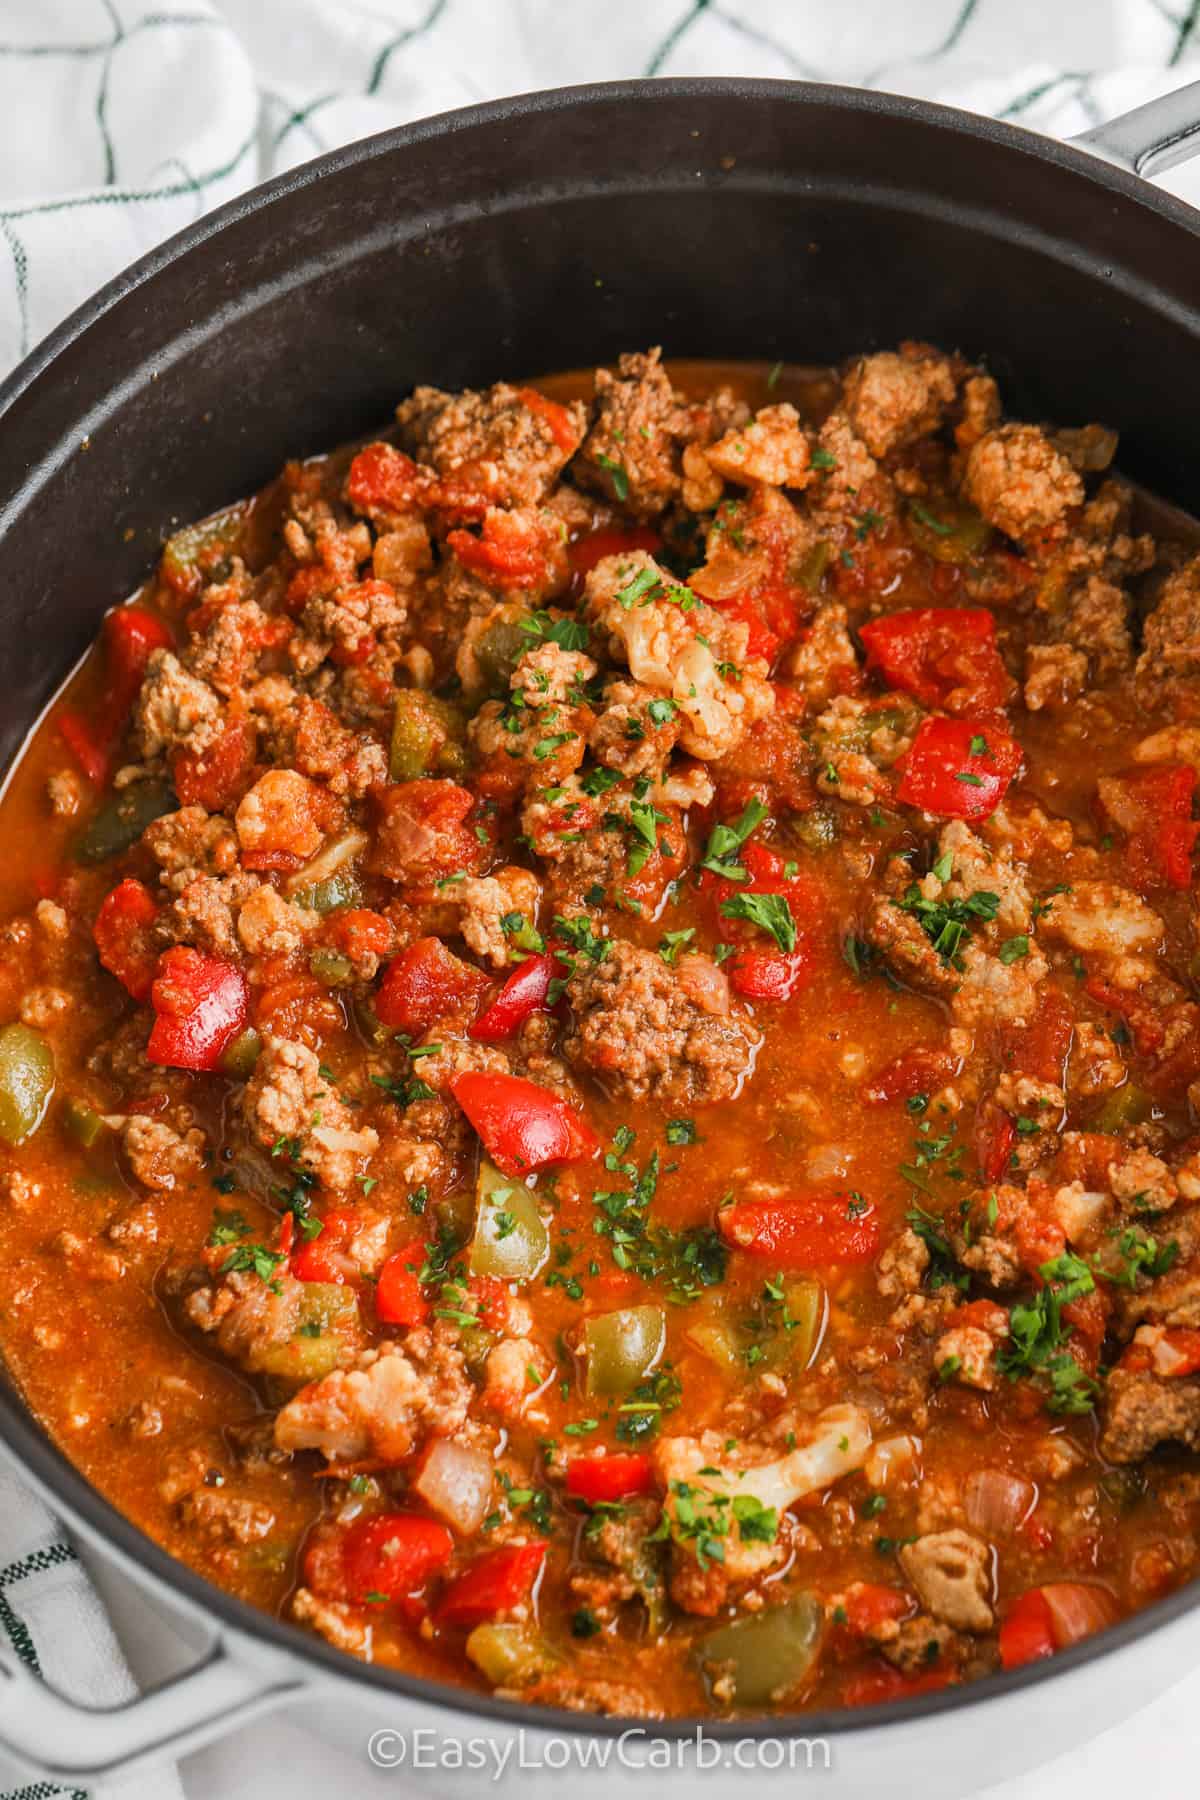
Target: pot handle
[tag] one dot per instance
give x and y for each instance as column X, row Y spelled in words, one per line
column 1152, row 138
column 69, row 1743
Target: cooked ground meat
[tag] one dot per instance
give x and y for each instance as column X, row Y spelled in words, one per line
column 649, row 1030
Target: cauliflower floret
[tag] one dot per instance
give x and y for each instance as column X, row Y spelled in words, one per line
column 681, row 649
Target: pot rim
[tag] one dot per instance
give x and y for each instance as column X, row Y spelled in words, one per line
column 25, row 1441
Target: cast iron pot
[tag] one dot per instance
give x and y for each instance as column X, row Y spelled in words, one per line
column 720, row 218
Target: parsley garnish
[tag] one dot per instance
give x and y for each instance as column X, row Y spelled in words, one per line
column 770, row 912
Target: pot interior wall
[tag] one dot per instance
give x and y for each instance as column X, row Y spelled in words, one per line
column 726, row 220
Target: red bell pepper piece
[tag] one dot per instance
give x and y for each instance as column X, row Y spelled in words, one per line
column 958, row 768
column 803, row 1231
column 606, row 1479
column 944, row 656
column 83, row 741
column 425, row 983
column 611, row 540
column 201, row 1003
column 875, row 1686
column 122, row 936
column 398, row 1296
column 869, row 1604
column 130, row 635
column 382, row 1557
column 1028, row 1631
column 525, row 991
column 523, row 1127
column 995, row 1136
column 492, row 1585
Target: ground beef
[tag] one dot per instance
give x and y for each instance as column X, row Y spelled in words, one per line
column 1100, row 917
column 174, row 709
column 492, row 442
column 190, row 843
column 206, row 913
column 226, row 1518
column 1142, row 1411
column 159, row 1156
column 891, row 399
column 635, row 730
column 824, row 661
column 1020, row 482
column 1171, row 635
column 632, row 453
column 1055, row 674
column 649, row 1030
column 485, row 901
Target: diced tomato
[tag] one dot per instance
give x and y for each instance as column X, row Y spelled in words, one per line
column 772, row 613
column 869, row 1604
column 1039, row 1240
column 359, row 933
column 1027, row 1632
column 1154, row 808
column 1144, row 1022
column 606, row 1479
column 398, row 1296
column 326, row 1256
column 764, row 975
column 493, row 1584
column 220, row 774
column 804, row 1231
column 918, row 1071
column 376, row 1559
column 875, row 1686
column 523, row 1126
column 995, row 1140
column 383, row 479
column 1041, row 1047
column 425, row 983
column 512, row 549
column 525, row 991
column 1169, row 1353
column 200, row 1004
column 83, row 740
column 122, row 935
column 611, row 540
column 984, row 1315
column 958, row 768
column 944, row 656
column 422, row 831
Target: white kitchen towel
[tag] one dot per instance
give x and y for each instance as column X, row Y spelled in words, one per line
column 121, row 121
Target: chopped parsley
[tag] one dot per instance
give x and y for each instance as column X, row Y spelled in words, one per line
column 770, row 912
column 1037, row 1336
column 620, row 479
column 947, row 922
column 724, row 842
column 568, row 634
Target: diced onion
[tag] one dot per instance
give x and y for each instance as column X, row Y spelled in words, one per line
column 1077, row 1609
column 456, row 1483
column 828, row 1161
column 996, row 1502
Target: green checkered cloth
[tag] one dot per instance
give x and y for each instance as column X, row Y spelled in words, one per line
column 123, row 120
column 52, row 1620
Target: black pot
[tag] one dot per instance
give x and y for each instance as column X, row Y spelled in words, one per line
column 719, row 218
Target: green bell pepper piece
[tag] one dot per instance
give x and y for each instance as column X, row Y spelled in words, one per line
column 428, row 737
column 121, row 820
column 26, row 1082
column 82, row 1121
column 510, row 1655
column 240, row 1055
column 768, row 1654
column 511, row 1240
column 622, row 1347
column 948, row 530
